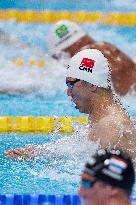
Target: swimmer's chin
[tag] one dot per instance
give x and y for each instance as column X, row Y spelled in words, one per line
column 80, row 110
column 76, row 107
column 74, row 104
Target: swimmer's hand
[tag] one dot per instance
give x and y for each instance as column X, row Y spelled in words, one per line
column 20, row 154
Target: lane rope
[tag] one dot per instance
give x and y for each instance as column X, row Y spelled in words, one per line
column 39, row 199
column 28, row 124
column 107, row 18
column 40, row 63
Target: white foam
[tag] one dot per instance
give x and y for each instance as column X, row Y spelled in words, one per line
column 65, row 157
column 16, row 79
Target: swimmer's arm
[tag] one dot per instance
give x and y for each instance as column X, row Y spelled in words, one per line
column 106, row 131
column 29, row 152
column 110, row 135
column 128, row 143
column 20, row 153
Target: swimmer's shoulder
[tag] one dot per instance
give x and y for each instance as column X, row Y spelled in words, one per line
column 114, row 122
column 105, row 131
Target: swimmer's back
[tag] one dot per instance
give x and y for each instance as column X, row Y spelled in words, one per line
column 120, row 64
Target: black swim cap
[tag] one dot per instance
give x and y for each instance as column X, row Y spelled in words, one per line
column 113, row 167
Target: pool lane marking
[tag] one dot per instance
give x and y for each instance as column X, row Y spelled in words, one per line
column 48, row 16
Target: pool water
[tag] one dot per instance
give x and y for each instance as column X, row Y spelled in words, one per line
column 72, row 5
column 59, row 171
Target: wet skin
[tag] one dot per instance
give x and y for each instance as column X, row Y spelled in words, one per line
column 20, row 153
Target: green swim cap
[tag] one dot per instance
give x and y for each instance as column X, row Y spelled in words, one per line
column 62, row 35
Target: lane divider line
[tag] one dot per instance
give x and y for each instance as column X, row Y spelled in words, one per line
column 33, row 16
column 30, row 124
column 40, row 63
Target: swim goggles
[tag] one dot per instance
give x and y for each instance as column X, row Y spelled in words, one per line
column 87, row 184
column 70, row 84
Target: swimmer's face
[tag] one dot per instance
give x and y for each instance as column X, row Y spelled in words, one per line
column 81, row 94
column 93, row 194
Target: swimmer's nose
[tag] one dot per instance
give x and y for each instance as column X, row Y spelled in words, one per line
column 69, row 92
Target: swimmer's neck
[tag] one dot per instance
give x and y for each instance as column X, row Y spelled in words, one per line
column 101, row 106
column 119, row 201
column 103, row 111
column 100, row 113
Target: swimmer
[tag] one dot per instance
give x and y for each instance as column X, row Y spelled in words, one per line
column 90, row 89
column 89, row 86
column 108, row 179
column 67, row 38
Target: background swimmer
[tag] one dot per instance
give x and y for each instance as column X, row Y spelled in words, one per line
column 91, row 92
column 108, row 178
column 67, row 37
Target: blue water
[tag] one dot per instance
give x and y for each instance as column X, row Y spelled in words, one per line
column 39, row 176
column 71, row 5
column 37, row 105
